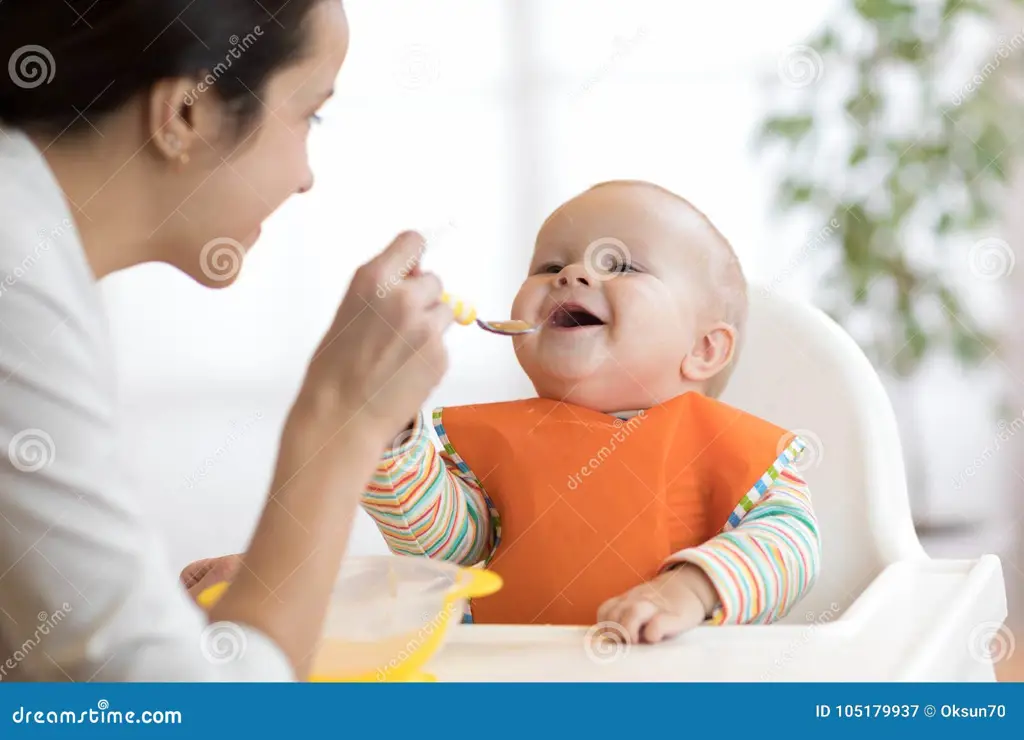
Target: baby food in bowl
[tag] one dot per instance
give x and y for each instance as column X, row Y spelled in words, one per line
column 389, row 614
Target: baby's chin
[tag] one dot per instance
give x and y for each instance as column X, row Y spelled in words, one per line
column 581, row 382
column 601, row 382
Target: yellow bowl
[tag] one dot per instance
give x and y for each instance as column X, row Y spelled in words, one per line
column 388, row 616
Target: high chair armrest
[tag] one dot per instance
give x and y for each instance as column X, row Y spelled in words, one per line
column 919, row 620
column 944, row 618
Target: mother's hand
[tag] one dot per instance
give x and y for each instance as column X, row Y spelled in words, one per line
column 200, row 575
column 384, row 353
column 373, row 371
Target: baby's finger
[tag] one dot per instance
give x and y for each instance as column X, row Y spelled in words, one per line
column 607, row 611
column 635, row 616
column 662, row 626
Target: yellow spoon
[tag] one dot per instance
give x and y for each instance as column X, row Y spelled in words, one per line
column 466, row 315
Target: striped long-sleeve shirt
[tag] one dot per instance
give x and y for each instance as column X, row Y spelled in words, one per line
column 761, row 566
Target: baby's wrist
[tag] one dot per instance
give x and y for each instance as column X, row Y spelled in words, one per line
column 697, row 582
column 406, row 439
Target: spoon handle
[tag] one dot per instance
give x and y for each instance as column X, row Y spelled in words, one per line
column 465, row 314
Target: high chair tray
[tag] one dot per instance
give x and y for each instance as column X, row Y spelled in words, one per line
column 926, row 620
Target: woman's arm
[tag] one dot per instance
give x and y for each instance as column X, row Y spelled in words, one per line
column 284, row 583
column 86, row 591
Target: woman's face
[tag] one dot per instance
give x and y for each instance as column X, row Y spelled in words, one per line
column 235, row 187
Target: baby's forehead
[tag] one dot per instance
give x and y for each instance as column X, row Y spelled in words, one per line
column 655, row 223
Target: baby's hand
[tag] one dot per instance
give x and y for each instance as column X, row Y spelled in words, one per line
column 664, row 607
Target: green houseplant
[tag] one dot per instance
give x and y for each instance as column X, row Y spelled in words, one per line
column 904, row 157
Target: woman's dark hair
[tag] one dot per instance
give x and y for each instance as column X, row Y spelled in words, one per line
column 67, row 63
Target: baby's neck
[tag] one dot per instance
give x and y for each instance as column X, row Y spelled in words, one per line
column 626, row 414
column 631, row 413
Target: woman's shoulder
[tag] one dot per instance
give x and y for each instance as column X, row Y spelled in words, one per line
column 53, row 333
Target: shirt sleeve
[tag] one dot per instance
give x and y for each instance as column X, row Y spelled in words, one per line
column 87, row 592
column 423, row 504
column 764, row 565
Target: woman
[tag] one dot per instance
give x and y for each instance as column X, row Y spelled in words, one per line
column 145, row 130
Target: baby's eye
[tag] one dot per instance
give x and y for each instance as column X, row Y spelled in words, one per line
column 615, row 264
column 551, row 268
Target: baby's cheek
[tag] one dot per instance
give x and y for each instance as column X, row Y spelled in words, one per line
column 527, row 302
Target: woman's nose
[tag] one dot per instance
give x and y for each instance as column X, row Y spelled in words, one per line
column 573, row 275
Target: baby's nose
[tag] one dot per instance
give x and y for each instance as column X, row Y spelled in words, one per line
column 573, row 275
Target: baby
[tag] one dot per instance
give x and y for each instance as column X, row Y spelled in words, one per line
column 625, row 493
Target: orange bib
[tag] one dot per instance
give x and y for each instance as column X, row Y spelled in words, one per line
column 590, row 506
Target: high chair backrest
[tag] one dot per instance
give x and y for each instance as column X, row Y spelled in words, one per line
column 798, row 369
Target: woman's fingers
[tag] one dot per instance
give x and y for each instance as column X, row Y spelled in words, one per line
column 391, row 267
column 202, row 574
column 425, row 287
column 384, row 353
column 192, row 572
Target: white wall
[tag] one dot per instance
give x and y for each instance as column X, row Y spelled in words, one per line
column 469, row 119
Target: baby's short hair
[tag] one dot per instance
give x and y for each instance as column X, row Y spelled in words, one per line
column 724, row 275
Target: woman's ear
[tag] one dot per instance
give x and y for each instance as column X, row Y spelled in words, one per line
column 183, row 118
column 711, row 353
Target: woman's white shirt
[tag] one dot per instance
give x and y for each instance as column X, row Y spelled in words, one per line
column 86, row 590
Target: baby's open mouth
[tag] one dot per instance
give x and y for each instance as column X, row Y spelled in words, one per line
column 570, row 316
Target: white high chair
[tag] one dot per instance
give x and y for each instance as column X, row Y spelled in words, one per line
column 882, row 609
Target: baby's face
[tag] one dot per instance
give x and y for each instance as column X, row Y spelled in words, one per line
column 616, row 282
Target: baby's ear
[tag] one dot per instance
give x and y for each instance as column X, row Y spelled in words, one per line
column 710, row 354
